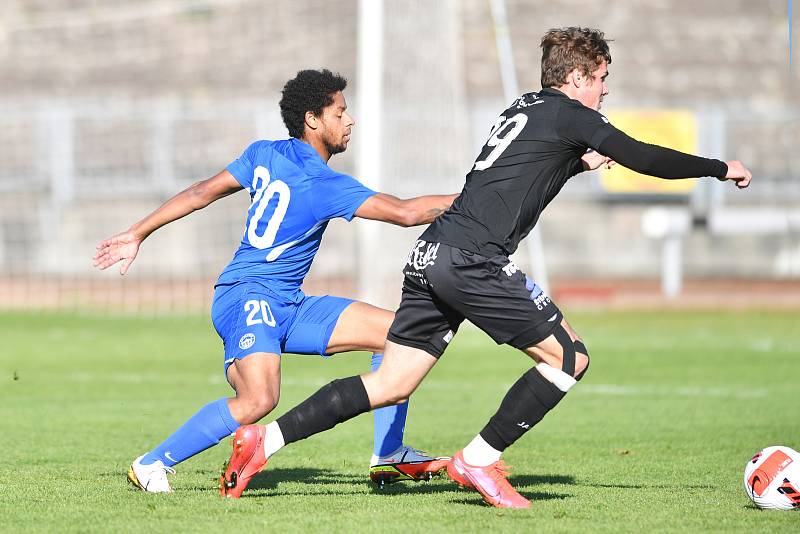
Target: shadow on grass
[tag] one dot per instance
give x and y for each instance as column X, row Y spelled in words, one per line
column 474, row 499
column 270, row 478
column 331, row 482
column 328, row 482
column 535, row 480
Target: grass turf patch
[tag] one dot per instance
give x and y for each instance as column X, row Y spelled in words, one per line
column 654, row 438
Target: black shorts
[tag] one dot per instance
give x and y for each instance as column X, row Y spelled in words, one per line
column 444, row 285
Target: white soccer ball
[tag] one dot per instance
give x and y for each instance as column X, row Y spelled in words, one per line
column 772, row 478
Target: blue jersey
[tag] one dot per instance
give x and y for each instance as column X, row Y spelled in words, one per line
column 294, row 195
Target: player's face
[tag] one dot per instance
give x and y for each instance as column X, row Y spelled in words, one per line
column 593, row 88
column 337, row 125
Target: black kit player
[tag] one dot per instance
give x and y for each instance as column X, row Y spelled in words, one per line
column 460, row 268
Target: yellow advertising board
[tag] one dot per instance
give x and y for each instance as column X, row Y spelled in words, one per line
column 671, row 129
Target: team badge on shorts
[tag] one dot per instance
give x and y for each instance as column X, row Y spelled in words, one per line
column 247, row 340
column 422, row 256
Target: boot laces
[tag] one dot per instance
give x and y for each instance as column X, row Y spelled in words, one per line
column 169, row 470
column 499, row 471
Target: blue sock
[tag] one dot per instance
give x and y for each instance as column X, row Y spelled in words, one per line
column 390, row 422
column 205, row 428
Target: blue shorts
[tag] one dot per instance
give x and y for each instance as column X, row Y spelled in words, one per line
column 250, row 318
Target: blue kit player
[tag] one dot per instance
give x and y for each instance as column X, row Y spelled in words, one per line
column 259, row 310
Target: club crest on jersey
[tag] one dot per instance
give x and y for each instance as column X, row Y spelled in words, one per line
column 247, row 340
column 422, row 256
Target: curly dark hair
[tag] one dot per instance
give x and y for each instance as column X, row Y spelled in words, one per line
column 310, row 90
column 565, row 49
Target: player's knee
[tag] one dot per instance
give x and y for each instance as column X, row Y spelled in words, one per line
column 581, row 359
column 398, row 397
column 395, row 392
column 254, row 407
column 573, row 354
column 386, row 387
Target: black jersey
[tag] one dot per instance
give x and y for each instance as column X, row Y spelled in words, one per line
column 534, row 147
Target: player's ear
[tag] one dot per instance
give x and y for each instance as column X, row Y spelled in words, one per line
column 576, row 76
column 311, row 120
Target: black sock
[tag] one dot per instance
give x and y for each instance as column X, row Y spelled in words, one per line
column 525, row 404
column 332, row 404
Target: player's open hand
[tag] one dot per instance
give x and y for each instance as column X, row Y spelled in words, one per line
column 592, row 160
column 738, row 173
column 121, row 247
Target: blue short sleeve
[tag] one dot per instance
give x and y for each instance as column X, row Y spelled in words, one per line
column 242, row 167
column 339, row 195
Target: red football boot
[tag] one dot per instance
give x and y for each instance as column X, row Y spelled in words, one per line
column 490, row 481
column 456, row 477
column 246, row 460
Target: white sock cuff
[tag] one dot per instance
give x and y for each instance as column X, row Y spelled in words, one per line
column 559, row 378
column 480, row 453
column 273, row 439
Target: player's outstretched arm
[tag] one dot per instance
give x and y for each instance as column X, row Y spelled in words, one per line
column 666, row 163
column 404, row 212
column 124, row 246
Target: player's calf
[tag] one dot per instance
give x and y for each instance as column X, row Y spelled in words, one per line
column 536, row 392
column 332, row 404
column 526, row 403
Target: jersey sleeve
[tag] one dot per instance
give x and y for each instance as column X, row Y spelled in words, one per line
column 659, row 161
column 242, row 167
column 339, row 195
column 582, row 127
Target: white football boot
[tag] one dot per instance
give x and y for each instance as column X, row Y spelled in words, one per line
column 151, row 478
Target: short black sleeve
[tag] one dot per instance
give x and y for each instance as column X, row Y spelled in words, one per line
column 581, row 126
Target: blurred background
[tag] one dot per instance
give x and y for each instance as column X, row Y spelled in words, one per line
column 108, row 108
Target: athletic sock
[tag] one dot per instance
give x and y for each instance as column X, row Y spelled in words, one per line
column 526, row 403
column 480, row 453
column 330, row 405
column 389, row 422
column 273, row 439
column 204, row 429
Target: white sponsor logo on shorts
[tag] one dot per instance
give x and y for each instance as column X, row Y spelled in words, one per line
column 541, row 303
column 247, row 340
column 419, row 258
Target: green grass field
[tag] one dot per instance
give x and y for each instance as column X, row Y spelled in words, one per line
column 654, row 439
